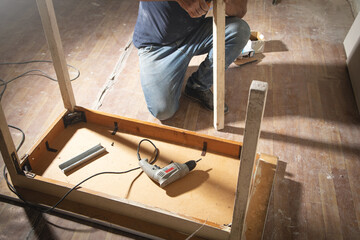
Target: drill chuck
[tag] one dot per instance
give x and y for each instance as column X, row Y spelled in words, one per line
column 191, row 164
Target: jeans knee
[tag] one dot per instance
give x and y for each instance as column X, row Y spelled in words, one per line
column 237, row 34
column 239, row 31
column 163, row 111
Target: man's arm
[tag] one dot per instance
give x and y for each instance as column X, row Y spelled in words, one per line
column 195, row 8
column 237, row 8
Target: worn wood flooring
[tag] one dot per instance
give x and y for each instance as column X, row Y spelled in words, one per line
column 311, row 122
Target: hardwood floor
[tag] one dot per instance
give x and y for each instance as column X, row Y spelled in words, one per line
column 311, row 122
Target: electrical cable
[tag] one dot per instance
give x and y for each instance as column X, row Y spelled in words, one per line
column 3, row 90
column 17, row 149
column 86, row 179
column 42, row 73
column 11, row 187
column 97, row 174
column 4, row 84
column 193, row 234
column 22, row 138
column 156, row 150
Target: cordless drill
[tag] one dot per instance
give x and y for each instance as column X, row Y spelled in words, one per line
column 168, row 174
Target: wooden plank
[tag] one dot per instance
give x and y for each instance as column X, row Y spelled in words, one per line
column 261, row 189
column 82, row 197
column 95, row 215
column 51, row 30
column 259, row 199
column 135, row 127
column 330, row 208
column 121, row 148
column 262, row 186
column 170, row 134
column 7, row 147
column 40, row 146
column 219, row 63
column 254, row 115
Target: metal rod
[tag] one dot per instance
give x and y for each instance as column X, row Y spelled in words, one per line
column 81, row 158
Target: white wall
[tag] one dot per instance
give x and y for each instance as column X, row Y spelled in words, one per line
column 352, row 50
column 355, row 6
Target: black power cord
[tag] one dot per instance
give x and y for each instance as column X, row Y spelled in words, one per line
column 4, row 84
column 33, row 72
column 44, row 209
column 17, row 149
column 156, row 150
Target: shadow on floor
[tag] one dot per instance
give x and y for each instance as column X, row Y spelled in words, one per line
column 55, row 225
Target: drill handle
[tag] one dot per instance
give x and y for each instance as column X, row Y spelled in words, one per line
column 148, row 168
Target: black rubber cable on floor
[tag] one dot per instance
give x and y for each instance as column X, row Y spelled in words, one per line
column 32, row 72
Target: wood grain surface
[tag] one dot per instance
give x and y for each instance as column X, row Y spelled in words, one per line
column 310, row 121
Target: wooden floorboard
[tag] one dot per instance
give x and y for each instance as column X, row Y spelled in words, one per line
column 310, row 122
column 21, row 222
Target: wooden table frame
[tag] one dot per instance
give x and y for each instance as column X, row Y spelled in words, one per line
column 155, row 222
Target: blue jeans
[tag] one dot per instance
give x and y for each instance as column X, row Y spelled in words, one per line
column 162, row 68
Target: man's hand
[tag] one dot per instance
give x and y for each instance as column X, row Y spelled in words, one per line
column 195, row 8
